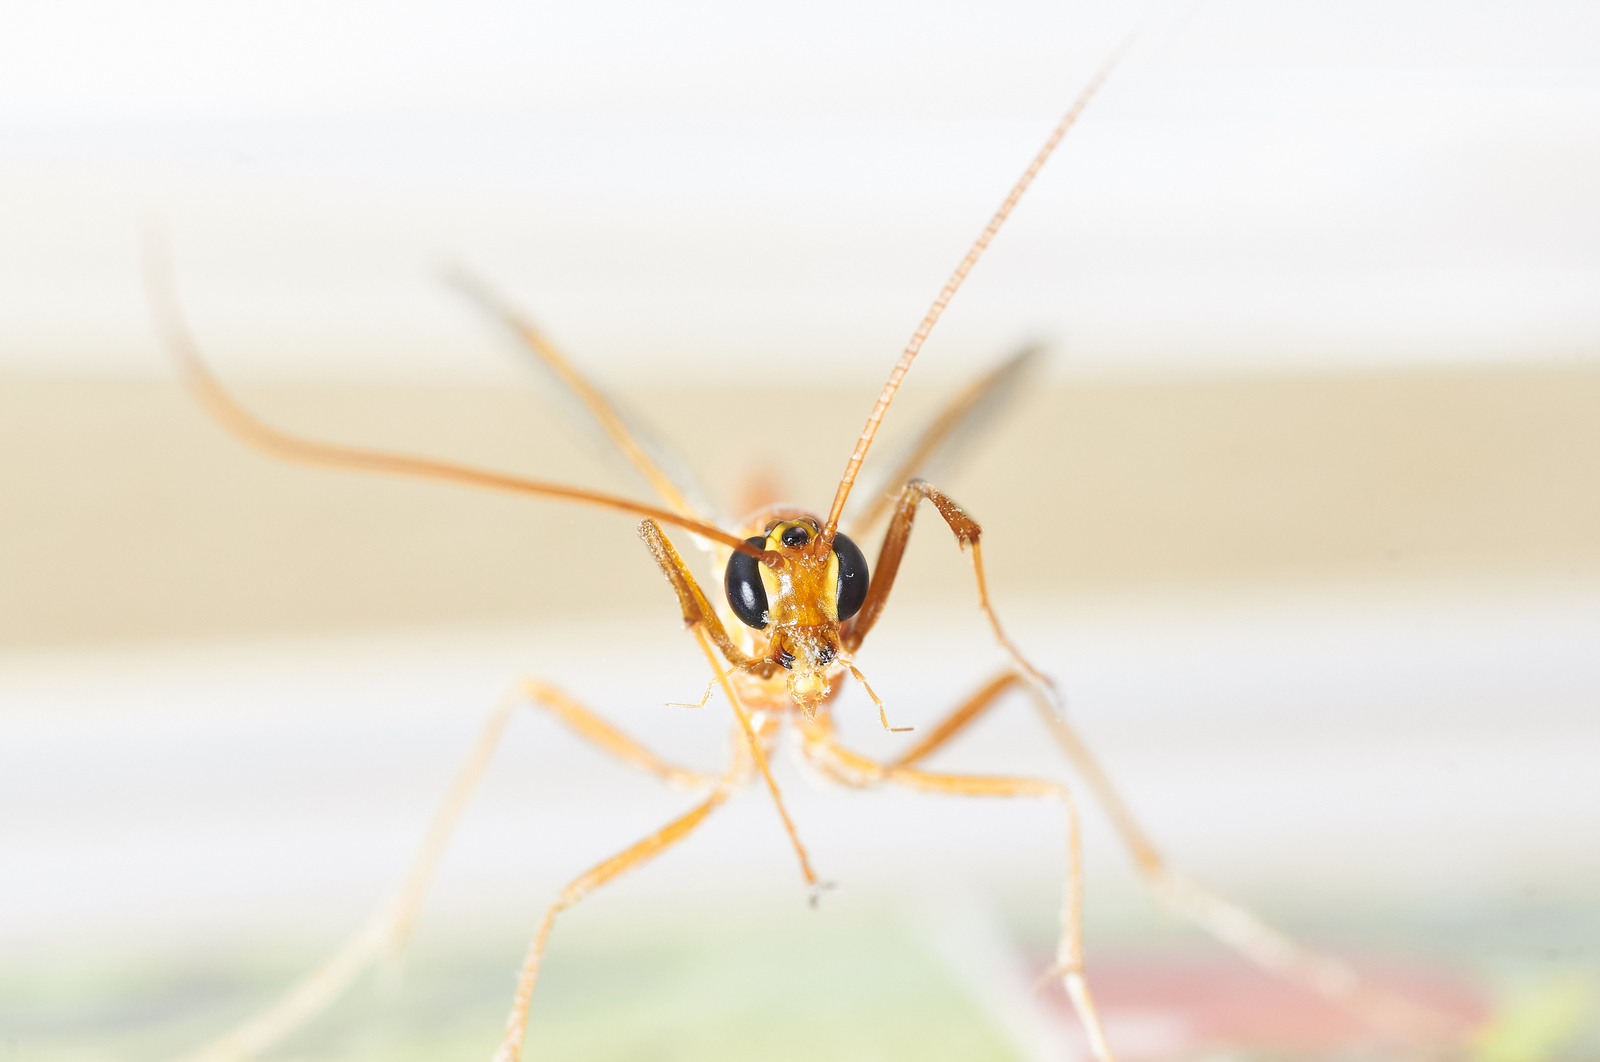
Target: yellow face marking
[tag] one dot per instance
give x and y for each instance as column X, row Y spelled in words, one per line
column 830, row 587
column 805, row 592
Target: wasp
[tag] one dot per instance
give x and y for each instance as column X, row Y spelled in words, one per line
column 797, row 602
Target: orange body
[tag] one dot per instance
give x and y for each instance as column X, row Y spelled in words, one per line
column 779, row 654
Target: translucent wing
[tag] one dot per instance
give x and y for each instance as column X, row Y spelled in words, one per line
column 949, row 436
column 614, row 430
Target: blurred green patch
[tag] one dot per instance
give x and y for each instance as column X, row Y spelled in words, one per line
column 1543, row 1020
column 675, row 980
column 782, row 987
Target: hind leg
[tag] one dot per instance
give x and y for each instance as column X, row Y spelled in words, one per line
column 1228, row 922
column 1241, row 930
column 510, row 1049
column 852, row 769
column 387, row 930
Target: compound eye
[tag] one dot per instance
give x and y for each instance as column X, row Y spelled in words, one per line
column 747, row 595
column 852, row 589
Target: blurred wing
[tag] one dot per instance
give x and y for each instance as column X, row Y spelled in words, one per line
column 951, row 434
column 612, row 429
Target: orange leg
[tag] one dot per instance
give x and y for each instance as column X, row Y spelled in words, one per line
column 387, row 930
column 952, row 724
column 697, row 611
column 968, row 533
column 510, row 1049
column 608, row 738
column 1231, row 924
column 1240, row 929
column 852, row 769
column 758, row 756
column 700, row 617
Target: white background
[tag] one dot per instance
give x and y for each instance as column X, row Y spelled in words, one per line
column 685, row 191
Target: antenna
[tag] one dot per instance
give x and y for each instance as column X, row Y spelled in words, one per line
column 935, row 311
column 174, row 331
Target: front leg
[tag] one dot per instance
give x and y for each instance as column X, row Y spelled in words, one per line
column 967, row 532
column 699, row 616
column 697, row 611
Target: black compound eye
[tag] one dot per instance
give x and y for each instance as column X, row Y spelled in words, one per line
column 852, row 590
column 796, row 536
column 747, row 595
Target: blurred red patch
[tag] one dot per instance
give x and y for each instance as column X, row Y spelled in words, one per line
column 1166, row 1006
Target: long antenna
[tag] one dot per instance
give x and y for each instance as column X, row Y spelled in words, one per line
column 262, row 436
column 935, row 311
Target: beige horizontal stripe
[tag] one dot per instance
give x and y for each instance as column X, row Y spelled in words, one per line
column 126, row 515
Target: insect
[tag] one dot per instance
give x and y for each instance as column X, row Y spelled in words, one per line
column 797, row 602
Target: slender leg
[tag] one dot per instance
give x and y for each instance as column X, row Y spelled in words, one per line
column 1243, row 931
column 968, row 533
column 1233, row 925
column 384, row 930
column 387, row 930
column 1228, row 922
column 608, row 738
column 758, row 756
column 958, row 720
column 853, row 769
column 510, row 1049
column 697, row 611
column 699, row 617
